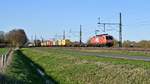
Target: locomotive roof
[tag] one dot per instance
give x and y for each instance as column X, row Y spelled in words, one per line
column 103, row 34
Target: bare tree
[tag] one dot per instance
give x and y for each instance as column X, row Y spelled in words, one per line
column 2, row 37
column 17, row 37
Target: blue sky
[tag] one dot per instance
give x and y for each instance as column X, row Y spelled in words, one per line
column 47, row 18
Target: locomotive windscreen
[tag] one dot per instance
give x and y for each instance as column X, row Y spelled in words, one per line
column 109, row 37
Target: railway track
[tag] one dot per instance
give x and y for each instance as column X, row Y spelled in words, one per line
column 105, row 48
column 122, row 55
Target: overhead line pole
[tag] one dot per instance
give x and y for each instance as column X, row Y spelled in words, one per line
column 120, row 28
column 35, row 40
column 120, row 31
column 64, row 36
column 80, row 34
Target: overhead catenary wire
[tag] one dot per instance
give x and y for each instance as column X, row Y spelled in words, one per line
column 118, row 23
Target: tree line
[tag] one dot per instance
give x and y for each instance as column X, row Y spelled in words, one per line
column 139, row 44
column 13, row 38
column 18, row 38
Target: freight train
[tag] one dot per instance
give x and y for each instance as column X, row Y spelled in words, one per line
column 96, row 41
column 57, row 43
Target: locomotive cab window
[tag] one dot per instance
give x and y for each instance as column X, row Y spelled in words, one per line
column 109, row 37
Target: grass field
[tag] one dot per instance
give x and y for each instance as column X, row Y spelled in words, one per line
column 70, row 67
column 3, row 50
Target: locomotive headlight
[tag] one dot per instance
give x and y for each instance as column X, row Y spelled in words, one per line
column 97, row 40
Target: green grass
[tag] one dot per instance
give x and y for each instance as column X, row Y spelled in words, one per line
column 21, row 70
column 3, row 51
column 70, row 67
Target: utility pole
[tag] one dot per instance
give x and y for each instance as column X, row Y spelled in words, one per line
column 64, row 36
column 120, row 28
column 120, row 31
column 80, row 34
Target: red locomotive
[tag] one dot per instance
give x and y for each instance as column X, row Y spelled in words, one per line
column 101, row 40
